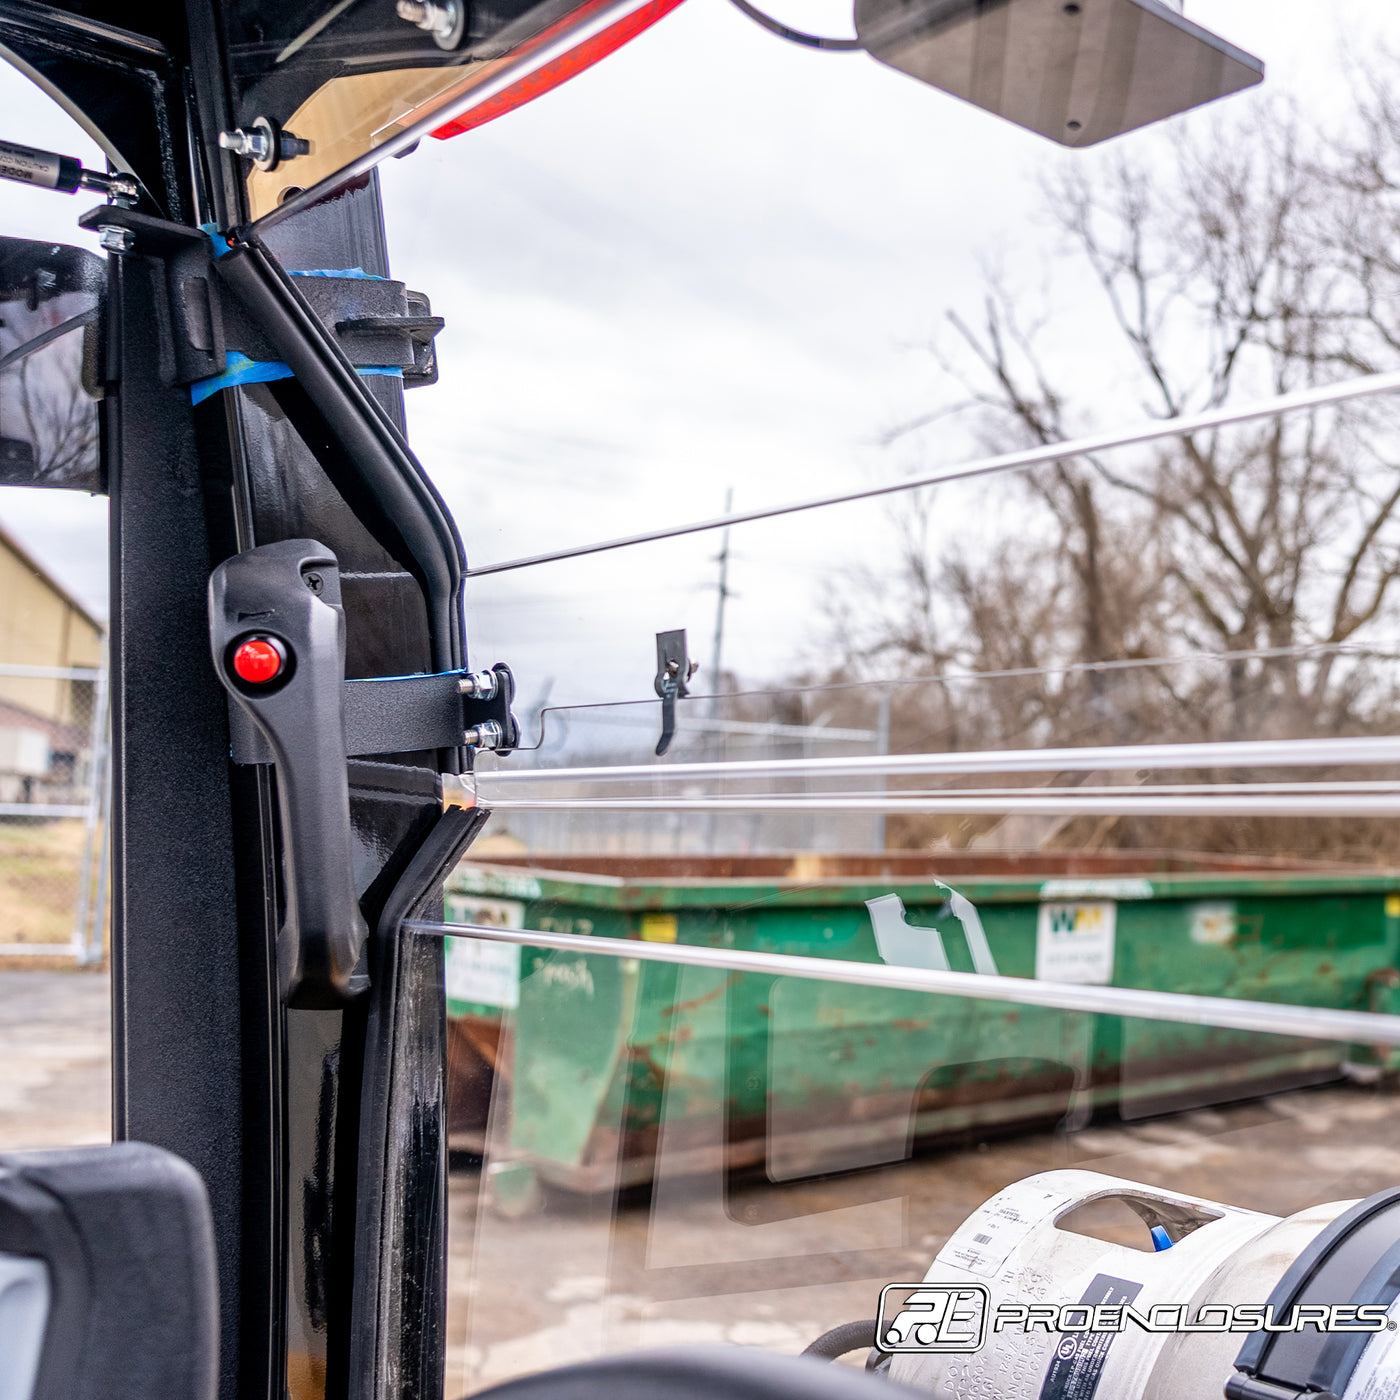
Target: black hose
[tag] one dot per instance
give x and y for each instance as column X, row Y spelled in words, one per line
column 848, row 1337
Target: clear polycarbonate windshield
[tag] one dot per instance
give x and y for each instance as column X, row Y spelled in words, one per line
column 982, row 967
column 352, row 90
column 340, row 89
column 650, row 1153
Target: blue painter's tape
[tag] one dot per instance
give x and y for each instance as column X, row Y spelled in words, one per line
column 220, row 243
column 353, row 272
column 242, row 370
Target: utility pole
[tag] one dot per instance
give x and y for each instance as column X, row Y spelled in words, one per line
column 717, row 652
column 882, row 746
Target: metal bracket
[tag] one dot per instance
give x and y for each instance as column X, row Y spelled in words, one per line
column 378, row 323
column 408, row 714
column 673, row 669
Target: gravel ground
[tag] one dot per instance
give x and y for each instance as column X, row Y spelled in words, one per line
column 687, row 1266
column 696, row 1261
column 55, row 1059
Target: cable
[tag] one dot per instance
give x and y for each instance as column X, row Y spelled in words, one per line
column 1249, row 753
column 839, row 1341
column 702, row 724
column 986, row 466
column 1228, row 1013
column 795, row 36
column 1387, row 651
column 313, row 29
column 1124, row 790
column 1070, row 805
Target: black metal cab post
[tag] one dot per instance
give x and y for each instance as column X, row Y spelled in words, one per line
column 314, row 1121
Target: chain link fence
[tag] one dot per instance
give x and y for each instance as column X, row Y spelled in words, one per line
column 55, row 808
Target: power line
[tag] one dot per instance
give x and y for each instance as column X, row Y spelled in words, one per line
column 1389, row 651
column 1249, row 753
column 988, row 466
column 1230, row 1013
column 1129, row 802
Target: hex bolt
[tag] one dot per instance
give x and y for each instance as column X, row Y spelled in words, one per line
column 122, row 190
column 256, row 145
column 116, row 240
column 445, row 20
column 486, row 735
column 264, row 143
column 480, row 685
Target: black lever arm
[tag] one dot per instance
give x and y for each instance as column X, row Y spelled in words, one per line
column 278, row 637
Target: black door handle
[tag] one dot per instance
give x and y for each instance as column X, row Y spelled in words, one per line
column 278, row 637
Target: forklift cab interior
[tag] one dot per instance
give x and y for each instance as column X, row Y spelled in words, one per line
column 296, row 713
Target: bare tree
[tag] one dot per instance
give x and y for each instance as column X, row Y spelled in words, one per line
column 1248, row 263
column 1259, row 259
column 48, row 418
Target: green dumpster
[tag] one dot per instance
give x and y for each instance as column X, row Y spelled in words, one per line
column 587, row 1057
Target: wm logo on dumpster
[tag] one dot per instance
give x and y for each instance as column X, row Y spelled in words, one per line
column 925, row 1317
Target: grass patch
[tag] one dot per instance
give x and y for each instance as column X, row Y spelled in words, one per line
column 39, row 868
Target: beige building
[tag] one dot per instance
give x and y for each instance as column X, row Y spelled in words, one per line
column 45, row 720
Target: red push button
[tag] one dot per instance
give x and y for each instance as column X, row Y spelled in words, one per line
column 258, row 661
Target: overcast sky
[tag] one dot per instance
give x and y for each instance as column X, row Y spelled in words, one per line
column 715, row 260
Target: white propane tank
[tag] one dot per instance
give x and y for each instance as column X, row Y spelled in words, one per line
column 1015, row 1247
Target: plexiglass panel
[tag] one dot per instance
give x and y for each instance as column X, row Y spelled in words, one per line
column 647, row 1154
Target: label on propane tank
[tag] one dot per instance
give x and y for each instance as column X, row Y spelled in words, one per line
column 981, row 1244
column 1078, row 1359
column 1377, row 1374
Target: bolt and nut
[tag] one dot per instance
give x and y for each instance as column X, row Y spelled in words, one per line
column 480, row 685
column 445, row 20
column 256, row 144
column 116, row 240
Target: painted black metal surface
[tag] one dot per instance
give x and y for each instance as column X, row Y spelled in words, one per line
column 271, row 1104
column 121, row 70
column 393, row 807
column 359, row 447
column 195, row 1067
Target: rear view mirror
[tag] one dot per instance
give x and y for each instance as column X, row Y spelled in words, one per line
column 1077, row 72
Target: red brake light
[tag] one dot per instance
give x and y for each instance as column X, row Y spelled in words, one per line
column 542, row 80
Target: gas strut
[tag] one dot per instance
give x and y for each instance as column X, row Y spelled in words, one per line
column 50, row 171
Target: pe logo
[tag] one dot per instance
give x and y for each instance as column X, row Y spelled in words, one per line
column 931, row 1317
